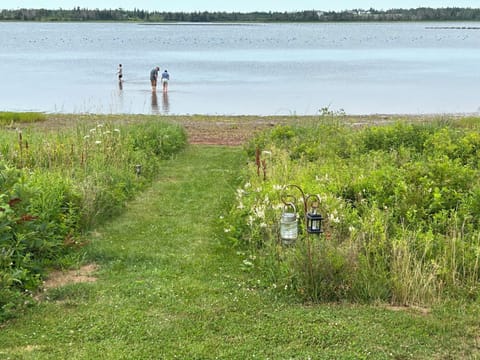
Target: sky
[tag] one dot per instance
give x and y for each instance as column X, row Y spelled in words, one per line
column 236, row 5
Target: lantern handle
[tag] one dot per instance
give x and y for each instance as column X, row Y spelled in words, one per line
column 289, row 204
column 288, row 199
column 315, row 202
column 284, row 196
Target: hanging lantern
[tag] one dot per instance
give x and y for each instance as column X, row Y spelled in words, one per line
column 314, row 220
column 138, row 169
column 289, row 225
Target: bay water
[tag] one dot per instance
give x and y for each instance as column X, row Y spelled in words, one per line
column 241, row 69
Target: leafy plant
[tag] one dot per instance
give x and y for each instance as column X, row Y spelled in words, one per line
column 55, row 186
column 400, row 202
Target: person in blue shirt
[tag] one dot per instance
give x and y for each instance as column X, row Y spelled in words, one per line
column 165, row 79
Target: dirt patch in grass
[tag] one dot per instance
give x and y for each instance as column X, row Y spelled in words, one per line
column 228, row 133
column 413, row 309
column 60, row 278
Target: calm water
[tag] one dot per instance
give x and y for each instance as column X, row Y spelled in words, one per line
column 241, row 69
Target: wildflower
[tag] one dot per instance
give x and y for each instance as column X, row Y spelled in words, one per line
column 116, row 130
column 333, row 218
column 93, row 130
column 86, row 137
column 247, row 263
column 247, row 185
column 240, row 206
column 263, row 225
column 351, row 229
column 240, row 192
column 100, row 125
column 98, row 142
column 277, row 206
column 226, row 230
column 260, row 212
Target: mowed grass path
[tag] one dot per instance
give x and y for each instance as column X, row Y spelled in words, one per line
column 169, row 287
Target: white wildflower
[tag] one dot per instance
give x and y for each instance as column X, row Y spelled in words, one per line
column 277, row 187
column 263, row 225
column 333, row 218
column 240, row 206
column 247, row 263
column 93, row 130
column 247, row 185
column 98, row 142
column 260, row 213
column 227, row 230
column 86, row 137
column 277, row 206
column 116, row 130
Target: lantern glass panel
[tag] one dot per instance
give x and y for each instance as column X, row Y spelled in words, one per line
column 314, row 223
column 288, row 227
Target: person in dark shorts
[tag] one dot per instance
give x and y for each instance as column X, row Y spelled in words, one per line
column 154, row 77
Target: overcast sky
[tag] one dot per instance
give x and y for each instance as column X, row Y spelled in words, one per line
column 235, row 5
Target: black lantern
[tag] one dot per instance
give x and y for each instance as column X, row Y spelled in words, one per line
column 314, row 220
column 138, row 169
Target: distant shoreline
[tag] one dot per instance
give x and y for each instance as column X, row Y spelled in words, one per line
column 78, row 14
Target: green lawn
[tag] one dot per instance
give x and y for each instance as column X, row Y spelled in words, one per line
column 170, row 287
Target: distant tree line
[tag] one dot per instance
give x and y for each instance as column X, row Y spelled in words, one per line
column 81, row 14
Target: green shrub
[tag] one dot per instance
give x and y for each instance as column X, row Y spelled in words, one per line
column 55, row 186
column 10, row 118
column 400, row 202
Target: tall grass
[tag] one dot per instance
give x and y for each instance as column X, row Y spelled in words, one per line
column 11, row 118
column 55, row 186
column 400, row 204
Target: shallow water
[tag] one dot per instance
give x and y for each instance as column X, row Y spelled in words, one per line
column 263, row 69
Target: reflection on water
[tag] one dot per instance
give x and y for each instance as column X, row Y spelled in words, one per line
column 262, row 69
column 165, row 103
column 155, row 109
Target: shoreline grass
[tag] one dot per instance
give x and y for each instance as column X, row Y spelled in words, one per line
column 170, row 286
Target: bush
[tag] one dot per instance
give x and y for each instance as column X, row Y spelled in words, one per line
column 10, row 118
column 53, row 187
column 400, row 203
